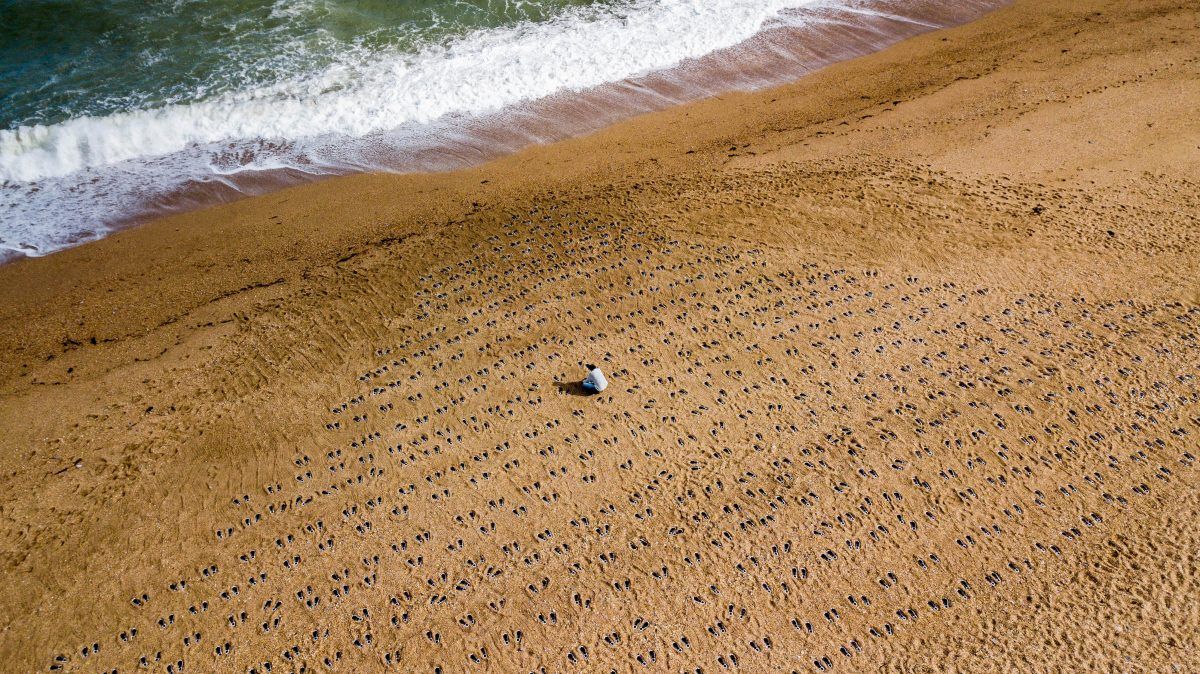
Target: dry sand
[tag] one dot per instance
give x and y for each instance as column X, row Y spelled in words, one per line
column 903, row 364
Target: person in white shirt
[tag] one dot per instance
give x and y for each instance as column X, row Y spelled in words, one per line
column 594, row 382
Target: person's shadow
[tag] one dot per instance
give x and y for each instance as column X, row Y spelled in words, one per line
column 573, row 388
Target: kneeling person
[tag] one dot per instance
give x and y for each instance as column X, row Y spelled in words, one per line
column 594, row 382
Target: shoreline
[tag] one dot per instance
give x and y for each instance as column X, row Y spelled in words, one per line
column 962, row 269
column 253, row 230
column 800, row 41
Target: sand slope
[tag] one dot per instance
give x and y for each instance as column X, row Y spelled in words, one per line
column 885, row 396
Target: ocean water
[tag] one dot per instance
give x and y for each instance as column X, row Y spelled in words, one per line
column 115, row 110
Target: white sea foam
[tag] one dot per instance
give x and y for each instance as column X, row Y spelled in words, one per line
column 485, row 94
column 479, row 73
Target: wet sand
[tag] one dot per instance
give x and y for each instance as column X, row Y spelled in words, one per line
column 903, row 377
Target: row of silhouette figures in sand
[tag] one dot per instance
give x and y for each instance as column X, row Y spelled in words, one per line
column 789, row 464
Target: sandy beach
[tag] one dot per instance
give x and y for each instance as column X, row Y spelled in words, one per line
column 903, row 371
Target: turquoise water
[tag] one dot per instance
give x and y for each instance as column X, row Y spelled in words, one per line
column 69, row 58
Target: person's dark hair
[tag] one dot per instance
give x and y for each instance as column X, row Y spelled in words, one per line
column 591, row 367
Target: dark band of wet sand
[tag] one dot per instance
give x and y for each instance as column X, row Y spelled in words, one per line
column 902, row 364
column 799, row 41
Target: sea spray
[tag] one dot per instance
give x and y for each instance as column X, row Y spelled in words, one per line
column 431, row 94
